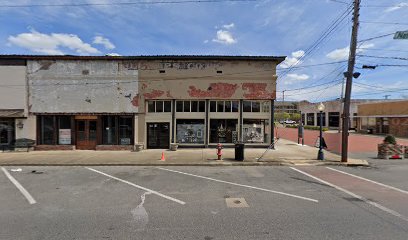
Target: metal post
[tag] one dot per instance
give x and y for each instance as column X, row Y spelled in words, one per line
column 350, row 70
column 320, row 155
column 272, row 123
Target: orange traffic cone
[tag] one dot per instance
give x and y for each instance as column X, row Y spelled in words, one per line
column 162, row 157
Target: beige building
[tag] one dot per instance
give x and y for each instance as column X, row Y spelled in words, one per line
column 389, row 117
column 106, row 102
column 332, row 113
column 287, row 107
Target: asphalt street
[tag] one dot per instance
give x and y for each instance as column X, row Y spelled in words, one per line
column 204, row 202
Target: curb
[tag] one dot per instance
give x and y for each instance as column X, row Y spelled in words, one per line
column 217, row 164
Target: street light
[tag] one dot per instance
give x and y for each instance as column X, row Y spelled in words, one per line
column 320, row 155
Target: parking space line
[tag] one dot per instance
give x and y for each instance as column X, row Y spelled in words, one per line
column 240, row 185
column 140, row 187
column 379, row 206
column 25, row 193
column 368, row 180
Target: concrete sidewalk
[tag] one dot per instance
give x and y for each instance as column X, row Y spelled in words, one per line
column 287, row 153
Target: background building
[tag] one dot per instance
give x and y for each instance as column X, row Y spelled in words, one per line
column 106, row 102
column 332, row 113
column 287, row 107
column 389, row 117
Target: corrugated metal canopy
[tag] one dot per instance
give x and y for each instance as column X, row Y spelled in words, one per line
column 12, row 113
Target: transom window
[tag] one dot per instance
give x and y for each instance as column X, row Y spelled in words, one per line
column 159, row 106
column 190, row 106
column 224, row 106
column 256, row 106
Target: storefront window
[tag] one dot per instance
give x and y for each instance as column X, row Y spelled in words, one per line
column 6, row 131
column 223, row 130
column 190, row 131
column 117, row 130
column 323, row 119
column 255, row 130
column 47, row 130
column 55, row 130
column 64, row 130
column 310, row 119
column 334, row 119
column 125, row 130
column 109, row 130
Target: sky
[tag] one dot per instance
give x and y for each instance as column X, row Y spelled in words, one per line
column 308, row 32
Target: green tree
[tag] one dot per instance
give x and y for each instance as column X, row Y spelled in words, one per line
column 295, row 117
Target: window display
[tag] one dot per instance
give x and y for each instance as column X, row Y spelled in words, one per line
column 223, row 130
column 190, row 131
column 255, row 130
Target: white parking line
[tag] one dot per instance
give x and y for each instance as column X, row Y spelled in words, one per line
column 140, row 187
column 368, row 180
column 241, row 185
column 26, row 194
column 379, row 206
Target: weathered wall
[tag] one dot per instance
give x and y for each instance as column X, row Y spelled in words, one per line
column 29, row 127
column 13, row 87
column 63, row 86
column 199, row 79
column 384, row 108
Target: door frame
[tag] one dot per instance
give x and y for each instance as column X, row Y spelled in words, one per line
column 147, row 134
column 91, row 144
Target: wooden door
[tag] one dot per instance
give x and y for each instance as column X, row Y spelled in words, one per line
column 86, row 134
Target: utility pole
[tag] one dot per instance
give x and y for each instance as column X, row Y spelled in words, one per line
column 283, row 97
column 350, row 71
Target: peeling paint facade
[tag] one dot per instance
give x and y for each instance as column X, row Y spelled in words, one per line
column 102, row 103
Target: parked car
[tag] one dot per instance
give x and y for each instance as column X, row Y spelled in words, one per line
column 287, row 121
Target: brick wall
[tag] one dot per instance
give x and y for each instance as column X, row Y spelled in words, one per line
column 53, row 147
column 399, row 127
column 114, row 147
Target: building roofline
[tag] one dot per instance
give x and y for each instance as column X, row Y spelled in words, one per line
column 277, row 59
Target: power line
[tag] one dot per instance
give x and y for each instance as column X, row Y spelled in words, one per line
column 382, row 49
column 370, row 56
column 385, row 6
column 122, row 3
column 322, row 37
column 337, row 1
column 387, row 23
column 372, row 38
column 338, row 81
column 313, row 65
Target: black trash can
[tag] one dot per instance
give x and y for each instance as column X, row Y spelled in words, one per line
column 239, row 151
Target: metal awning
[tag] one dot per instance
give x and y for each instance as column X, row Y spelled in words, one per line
column 12, row 113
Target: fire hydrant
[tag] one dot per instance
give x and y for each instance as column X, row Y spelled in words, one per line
column 219, row 151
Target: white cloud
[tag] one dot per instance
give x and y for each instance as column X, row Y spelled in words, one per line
column 339, row 54
column 113, row 54
column 229, row 26
column 396, row 7
column 51, row 43
column 205, row 41
column 343, row 53
column 297, row 77
column 298, row 54
column 292, row 61
column 225, row 37
column 104, row 41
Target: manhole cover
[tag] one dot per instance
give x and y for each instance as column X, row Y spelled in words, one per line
column 236, row 202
